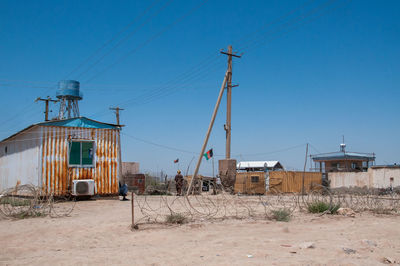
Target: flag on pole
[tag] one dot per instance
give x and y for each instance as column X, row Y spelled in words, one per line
column 209, row 154
column 177, row 160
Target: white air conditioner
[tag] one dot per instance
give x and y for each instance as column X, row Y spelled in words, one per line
column 83, row 187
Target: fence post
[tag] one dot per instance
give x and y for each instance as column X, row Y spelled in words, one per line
column 133, row 225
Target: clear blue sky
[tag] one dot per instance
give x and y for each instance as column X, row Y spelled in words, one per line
column 311, row 71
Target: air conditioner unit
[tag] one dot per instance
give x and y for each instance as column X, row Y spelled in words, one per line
column 83, row 187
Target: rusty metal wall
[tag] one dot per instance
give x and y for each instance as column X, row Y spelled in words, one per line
column 57, row 177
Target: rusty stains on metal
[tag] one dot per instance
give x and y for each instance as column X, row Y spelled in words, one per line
column 57, row 176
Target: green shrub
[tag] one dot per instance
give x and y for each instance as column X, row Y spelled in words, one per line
column 176, row 218
column 282, row 215
column 15, row 202
column 320, row 206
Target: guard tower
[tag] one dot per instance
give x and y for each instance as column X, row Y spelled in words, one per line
column 69, row 95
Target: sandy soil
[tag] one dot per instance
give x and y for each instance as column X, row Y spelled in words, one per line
column 98, row 233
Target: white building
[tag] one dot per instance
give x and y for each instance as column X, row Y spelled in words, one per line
column 378, row 176
column 262, row 166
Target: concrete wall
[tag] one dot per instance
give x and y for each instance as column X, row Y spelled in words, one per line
column 19, row 159
column 349, row 179
column 382, row 176
column 130, row 168
column 374, row 178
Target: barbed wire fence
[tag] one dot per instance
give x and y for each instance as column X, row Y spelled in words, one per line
column 23, row 201
column 207, row 207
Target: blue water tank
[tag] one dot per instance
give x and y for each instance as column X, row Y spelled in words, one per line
column 69, row 89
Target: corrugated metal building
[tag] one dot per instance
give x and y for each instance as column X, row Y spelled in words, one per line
column 53, row 154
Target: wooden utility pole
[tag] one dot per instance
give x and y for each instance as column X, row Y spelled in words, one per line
column 221, row 92
column 304, row 171
column 116, row 109
column 228, row 83
column 229, row 101
column 47, row 100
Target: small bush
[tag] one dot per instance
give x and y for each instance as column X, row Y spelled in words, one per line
column 281, row 215
column 381, row 210
column 320, row 206
column 176, row 218
column 15, row 202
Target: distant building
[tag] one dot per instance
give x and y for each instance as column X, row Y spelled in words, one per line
column 132, row 177
column 130, row 168
column 343, row 161
column 259, row 166
column 378, row 176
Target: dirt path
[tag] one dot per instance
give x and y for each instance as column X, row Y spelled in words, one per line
column 98, row 233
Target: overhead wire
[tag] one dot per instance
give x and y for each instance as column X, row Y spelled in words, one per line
column 29, row 106
column 127, row 37
column 293, row 22
column 189, row 77
column 149, row 40
column 165, row 91
column 112, row 39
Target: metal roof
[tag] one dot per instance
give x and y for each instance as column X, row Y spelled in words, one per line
column 82, row 122
column 386, row 166
column 79, row 122
column 258, row 164
column 340, row 155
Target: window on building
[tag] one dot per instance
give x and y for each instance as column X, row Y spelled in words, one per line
column 354, row 165
column 335, row 165
column 81, row 153
column 254, row 179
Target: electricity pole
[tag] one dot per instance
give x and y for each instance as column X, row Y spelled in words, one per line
column 47, row 100
column 228, row 83
column 229, row 101
column 116, row 109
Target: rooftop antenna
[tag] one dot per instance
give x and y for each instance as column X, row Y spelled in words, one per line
column 68, row 94
column 343, row 145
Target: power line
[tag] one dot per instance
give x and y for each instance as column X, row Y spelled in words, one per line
column 127, row 37
column 165, row 91
column 29, row 107
column 149, row 40
column 115, row 37
column 275, row 151
column 158, row 145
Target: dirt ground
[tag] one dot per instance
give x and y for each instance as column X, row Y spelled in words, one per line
column 98, row 233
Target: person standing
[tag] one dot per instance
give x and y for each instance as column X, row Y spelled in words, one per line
column 179, row 183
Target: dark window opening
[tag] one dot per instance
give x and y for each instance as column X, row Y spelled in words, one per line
column 5, row 149
column 81, row 153
column 254, row 179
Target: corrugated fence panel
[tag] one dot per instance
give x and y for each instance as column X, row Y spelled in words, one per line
column 244, row 184
column 292, row 181
column 57, row 177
